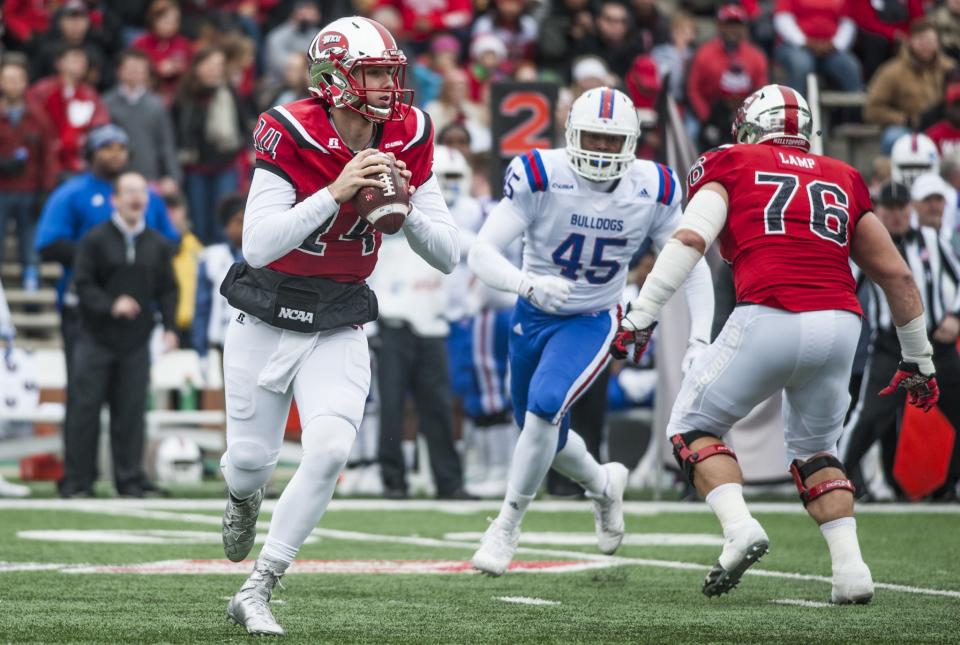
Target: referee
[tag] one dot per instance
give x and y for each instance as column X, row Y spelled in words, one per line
column 937, row 274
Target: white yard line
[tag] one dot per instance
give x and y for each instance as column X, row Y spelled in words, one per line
column 796, row 602
column 524, row 600
column 357, row 536
column 460, row 508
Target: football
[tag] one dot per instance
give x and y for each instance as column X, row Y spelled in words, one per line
column 385, row 208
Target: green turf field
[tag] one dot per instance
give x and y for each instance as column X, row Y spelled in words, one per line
column 80, row 591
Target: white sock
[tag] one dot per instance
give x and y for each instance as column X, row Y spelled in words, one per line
column 841, row 537
column 728, row 505
column 514, row 506
column 531, row 460
column 326, row 448
column 575, row 462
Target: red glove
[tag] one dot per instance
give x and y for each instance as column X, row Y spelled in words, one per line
column 639, row 338
column 922, row 390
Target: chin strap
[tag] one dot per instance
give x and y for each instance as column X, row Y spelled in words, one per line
column 802, row 471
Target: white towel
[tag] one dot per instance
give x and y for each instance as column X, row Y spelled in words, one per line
column 285, row 362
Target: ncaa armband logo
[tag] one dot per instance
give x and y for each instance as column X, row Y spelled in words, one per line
column 266, row 140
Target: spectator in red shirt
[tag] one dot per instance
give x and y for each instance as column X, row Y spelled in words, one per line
column 725, row 70
column 880, row 30
column 946, row 133
column 169, row 52
column 422, row 20
column 816, row 36
column 28, row 163
column 73, row 106
column 25, row 19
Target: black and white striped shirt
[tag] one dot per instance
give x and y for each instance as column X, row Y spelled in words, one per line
column 936, row 270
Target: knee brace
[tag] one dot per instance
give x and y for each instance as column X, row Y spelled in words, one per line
column 801, row 471
column 686, row 458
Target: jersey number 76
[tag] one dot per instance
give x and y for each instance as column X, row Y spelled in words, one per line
column 828, row 221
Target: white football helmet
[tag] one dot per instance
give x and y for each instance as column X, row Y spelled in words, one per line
column 606, row 111
column 774, row 113
column 913, row 155
column 179, row 462
column 339, row 57
column 453, row 172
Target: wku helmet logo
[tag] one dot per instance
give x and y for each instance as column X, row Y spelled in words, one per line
column 329, row 40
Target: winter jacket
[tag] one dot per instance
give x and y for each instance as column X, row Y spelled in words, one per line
column 902, row 89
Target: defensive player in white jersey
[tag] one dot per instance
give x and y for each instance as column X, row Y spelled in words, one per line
column 583, row 212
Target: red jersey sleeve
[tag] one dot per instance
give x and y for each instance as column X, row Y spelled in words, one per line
column 276, row 152
column 418, row 152
column 714, row 165
column 860, row 202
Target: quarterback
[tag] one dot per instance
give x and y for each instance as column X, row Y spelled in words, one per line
column 583, row 212
column 788, row 221
column 301, row 292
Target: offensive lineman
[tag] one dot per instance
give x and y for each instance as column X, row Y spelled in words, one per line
column 583, row 212
column 302, row 294
column 788, row 221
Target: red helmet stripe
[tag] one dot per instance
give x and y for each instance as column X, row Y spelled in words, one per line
column 791, row 116
column 388, row 41
column 914, row 142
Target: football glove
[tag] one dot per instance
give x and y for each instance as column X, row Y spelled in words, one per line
column 630, row 335
column 546, row 292
column 922, row 390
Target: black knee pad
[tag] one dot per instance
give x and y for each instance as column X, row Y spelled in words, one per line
column 801, row 471
column 686, row 458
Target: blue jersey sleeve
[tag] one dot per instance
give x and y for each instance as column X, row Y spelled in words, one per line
column 57, row 220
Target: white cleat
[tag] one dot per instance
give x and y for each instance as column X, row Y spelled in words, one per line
column 497, row 547
column 608, row 509
column 852, row 584
column 9, row 489
column 745, row 545
column 250, row 607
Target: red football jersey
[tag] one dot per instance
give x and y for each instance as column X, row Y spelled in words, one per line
column 299, row 143
column 790, row 222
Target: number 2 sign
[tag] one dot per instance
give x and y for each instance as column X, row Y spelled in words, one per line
column 523, row 119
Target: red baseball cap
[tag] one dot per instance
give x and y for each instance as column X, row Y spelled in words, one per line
column 732, row 12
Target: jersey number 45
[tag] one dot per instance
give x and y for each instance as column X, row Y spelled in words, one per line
column 567, row 256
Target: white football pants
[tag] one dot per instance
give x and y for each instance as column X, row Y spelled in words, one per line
column 333, row 381
column 761, row 350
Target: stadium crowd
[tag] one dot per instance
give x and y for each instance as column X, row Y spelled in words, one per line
column 171, row 90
